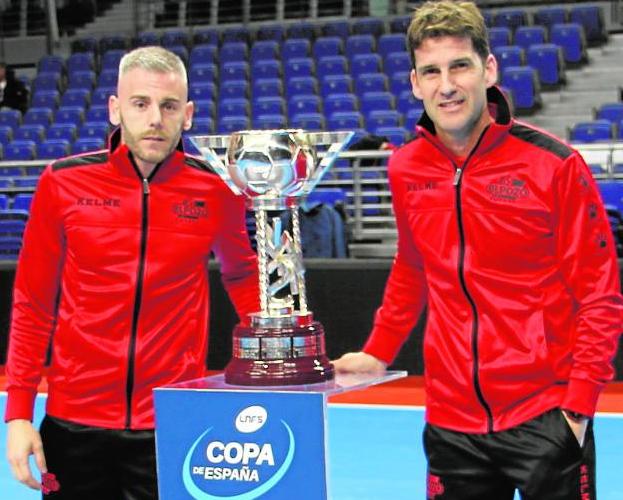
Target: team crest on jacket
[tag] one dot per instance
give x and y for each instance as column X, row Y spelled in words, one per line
column 507, row 188
column 191, row 209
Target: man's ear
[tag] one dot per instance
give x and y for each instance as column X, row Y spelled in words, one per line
column 491, row 70
column 113, row 110
column 188, row 115
column 414, row 84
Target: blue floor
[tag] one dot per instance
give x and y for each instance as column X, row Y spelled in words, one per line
column 375, row 453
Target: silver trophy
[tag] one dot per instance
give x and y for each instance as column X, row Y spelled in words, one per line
column 275, row 169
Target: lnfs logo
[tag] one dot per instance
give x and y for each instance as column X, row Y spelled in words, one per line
column 190, row 209
column 240, row 462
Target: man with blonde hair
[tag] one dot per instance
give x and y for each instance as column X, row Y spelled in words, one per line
column 502, row 234
column 114, row 273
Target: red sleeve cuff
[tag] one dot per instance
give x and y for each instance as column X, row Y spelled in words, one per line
column 582, row 396
column 20, row 404
column 383, row 345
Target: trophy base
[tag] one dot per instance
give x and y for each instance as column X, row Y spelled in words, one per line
column 279, row 356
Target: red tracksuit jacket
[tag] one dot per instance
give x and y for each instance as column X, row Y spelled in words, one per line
column 513, row 254
column 114, row 269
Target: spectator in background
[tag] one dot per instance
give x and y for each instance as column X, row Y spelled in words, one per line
column 114, row 272
column 503, row 235
column 13, row 93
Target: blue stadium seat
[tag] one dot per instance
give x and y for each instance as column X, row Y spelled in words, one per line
column 203, row 72
column 11, row 118
column 205, row 36
column 265, row 87
column 87, row 144
column 98, row 113
column 298, row 66
column 340, row 102
column 365, row 63
column 204, row 108
column 530, row 35
column 396, row 135
column 510, row 18
column 110, row 60
column 100, row 95
column 268, row 106
column 391, row 42
column 234, row 106
column 81, row 80
column 548, row 61
column 265, row 68
column 397, row 62
column 234, row 51
column 20, row 150
column 303, row 103
column 611, row 192
column 66, row 131
column 308, row 121
column 400, row 24
column 52, row 149
column 264, row 50
column 4, row 202
column 76, row 97
column 236, row 34
column 591, row 18
column 229, row 124
column 175, row 37
column 407, row 101
column 6, row 134
column 548, row 16
column 94, row 130
column 145, row 38
column 368, row 26
column 69, row 114
column 45, row 99
column 22, row 201
column 26, row 132
column 108, row 78
column 372, row 101
column 488, row 17
column 508, row 55
column 370, row 82
column 38, row 116
column 594, row 131
column 271, row 121
column 11, row 171
column 498, row 36
column 113, row 42
column 80, row 61
column 85, row 44
column 400, row 82
column 203, row 54
column 46, row 81
column 336, row 28
column 382, row 118
column 302, row 29
column 270, row 32
column 234, row 89
column 571, row 38
column 10, row 247
column 336, row 84
column 51, row 63
column 360, row 44
column 181, row 51
column 204, row 90
column 296, row 47
column 345, row 120
column 12, row 228
column 525, row 86
column 328, row 46
column 412, row 117
column 332, row 65
column 613, row 112
column 202, row 125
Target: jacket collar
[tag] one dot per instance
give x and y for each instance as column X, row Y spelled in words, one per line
column 499, row 108
column 122, row 158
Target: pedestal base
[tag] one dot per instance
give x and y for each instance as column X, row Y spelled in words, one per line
column 279, row 356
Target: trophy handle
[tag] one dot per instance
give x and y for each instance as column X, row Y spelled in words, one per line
column 338, row 142
column 207, row 145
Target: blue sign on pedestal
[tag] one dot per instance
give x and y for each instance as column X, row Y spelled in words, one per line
column 220, row 442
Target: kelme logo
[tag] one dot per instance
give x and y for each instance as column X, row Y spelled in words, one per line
column 242, row 461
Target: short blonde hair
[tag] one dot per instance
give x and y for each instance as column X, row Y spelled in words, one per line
column 153, row 58
column 448, row 18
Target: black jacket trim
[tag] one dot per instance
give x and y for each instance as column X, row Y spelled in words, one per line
column 81, row 160
column 541, row 140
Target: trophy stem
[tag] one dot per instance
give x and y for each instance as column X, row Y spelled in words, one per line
column 262, row 259
column 296, row 236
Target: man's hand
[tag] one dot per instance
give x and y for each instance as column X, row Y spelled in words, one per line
column 24, row 440
column 359, row 362
column 578, row 426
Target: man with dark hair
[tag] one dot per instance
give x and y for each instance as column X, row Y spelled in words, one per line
column 502, row 234
column 13, row 93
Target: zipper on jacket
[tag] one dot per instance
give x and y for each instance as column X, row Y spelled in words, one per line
column 457, row 182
